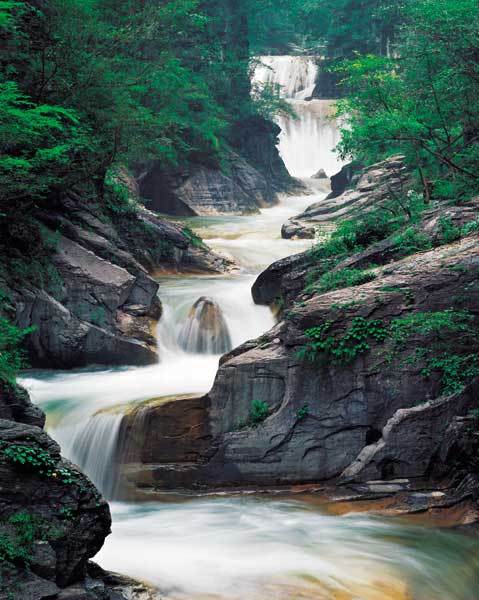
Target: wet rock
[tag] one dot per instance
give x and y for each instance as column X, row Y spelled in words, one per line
column 103, row 306
column 205, row 330
column 324, row 417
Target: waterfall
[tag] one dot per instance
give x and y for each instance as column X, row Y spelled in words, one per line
column 306, row 140
column 93, row 446
column 296, row 75
column 205, row 330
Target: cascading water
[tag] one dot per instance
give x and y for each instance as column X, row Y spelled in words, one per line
column 306, row 140
column 227, row 547
column 205, row 330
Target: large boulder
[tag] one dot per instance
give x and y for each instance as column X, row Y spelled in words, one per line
column 207, row 190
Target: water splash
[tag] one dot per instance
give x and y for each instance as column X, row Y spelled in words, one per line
column 205, row 330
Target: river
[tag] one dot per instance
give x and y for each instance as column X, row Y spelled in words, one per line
column 244, row 546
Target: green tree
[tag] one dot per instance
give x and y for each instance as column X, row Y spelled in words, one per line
column 423, row 103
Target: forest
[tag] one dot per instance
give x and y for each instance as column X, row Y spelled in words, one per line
column 239, row 301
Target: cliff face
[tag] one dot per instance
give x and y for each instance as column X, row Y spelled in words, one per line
column 103, row 306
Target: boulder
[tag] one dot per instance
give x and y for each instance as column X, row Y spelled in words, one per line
column 205, row 330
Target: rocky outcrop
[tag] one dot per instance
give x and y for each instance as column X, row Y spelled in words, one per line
column 52, row 519
column 381, row 414
column 207, row 190
column 284, row 281
column 376, row 185
column 99, row 304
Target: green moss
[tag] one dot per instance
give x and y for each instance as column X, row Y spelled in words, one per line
column 425, row 323
column 193, row 238
column 34, row 459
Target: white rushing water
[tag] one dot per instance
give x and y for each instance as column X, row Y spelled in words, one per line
column 244, row 547
column 307, row 140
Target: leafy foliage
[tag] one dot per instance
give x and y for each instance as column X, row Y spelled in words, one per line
column 344, row 347
column 12, row 357
column 423, row 102
column 258, row 412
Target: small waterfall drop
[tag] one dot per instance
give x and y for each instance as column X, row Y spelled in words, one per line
column 205, row 330
column 307, row 140
column 296, row 75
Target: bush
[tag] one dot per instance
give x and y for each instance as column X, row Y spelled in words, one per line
column 343, row 278
column 12, row 357
column 259, row 411
column 411, row 241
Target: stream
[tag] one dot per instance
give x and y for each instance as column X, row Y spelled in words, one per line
column 244, row 546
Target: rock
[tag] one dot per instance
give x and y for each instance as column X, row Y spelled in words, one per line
column 321, row 174
column 283, row 281
column 342, row 180
column 161, row 439
column 205, row 330
column 411, row 439
column 206, row 190
column 376, row 185
column 297, row 230
column 68, row 516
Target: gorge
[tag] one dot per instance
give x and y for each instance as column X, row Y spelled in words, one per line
column 205, row 503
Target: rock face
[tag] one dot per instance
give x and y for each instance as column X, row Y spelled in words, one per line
column 203, row 190
column 101, row 305
column 205, row 330
column 377, row 184
column 236, row 188
column 65, row 517
column 382, row 415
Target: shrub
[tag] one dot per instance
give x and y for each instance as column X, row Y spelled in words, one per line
column 258, row 412
column 456, row 371
column 343, row 278
column 448, row 231
column 193, row 238
column 12, row 357
column 411, row 241
column 346, row 347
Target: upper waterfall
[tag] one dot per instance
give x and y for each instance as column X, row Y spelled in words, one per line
column 308, row 138
column 296, row 75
